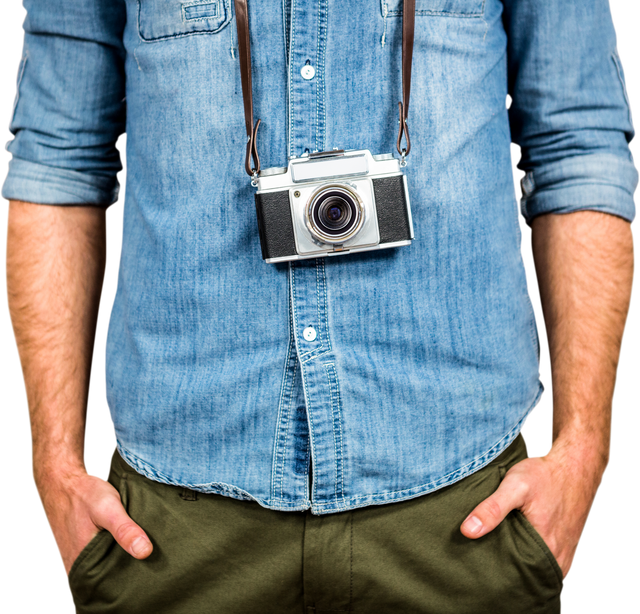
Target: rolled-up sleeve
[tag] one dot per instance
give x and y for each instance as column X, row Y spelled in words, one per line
column 70, row 105
column 569, row 112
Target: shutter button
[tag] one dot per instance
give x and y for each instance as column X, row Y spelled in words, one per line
column 308, row 72
column 309, row 333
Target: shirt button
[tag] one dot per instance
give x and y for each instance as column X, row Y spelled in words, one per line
column 308, row 72
column 309, row 333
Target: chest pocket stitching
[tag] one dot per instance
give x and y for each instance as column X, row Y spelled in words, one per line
column 470, row 14
column 155, row 23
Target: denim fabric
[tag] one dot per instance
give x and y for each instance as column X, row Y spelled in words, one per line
column 425, row 362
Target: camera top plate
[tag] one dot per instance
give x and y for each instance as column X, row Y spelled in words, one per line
column 328, row 166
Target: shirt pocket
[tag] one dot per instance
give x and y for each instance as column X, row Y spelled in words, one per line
column 165, row 19
column 445, row 8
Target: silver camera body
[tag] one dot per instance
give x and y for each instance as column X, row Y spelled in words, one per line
column 332, row 203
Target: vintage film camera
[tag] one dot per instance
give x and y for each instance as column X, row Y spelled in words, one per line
column 331, row 203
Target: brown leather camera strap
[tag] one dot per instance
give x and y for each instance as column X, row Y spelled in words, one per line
column 252, row 161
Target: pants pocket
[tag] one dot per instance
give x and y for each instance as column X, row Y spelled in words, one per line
column 90, row 556
column 537, row 539
column 530, row 544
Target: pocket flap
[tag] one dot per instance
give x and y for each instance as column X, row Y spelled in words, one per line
column 164, row 19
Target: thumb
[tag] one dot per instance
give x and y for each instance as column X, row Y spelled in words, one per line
column 492, row 511
column 127, row 533
column 132, row 538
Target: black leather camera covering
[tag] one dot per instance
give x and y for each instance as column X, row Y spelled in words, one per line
column 276, row 227
column 391, row 207
column 275, row 224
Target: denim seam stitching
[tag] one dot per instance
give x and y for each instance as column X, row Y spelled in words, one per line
column 314, row 490
column 293, row 380
column 320, row 84
column 325, row 321
column 281, row 404
column 285, row 35
column 334, row 392
column 290, row 88
column 287, row 428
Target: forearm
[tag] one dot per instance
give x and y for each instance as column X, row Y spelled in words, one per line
column 584, row 263
column 55, row 267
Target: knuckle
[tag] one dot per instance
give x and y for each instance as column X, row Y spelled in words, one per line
column 493, row 509
column 125, row 532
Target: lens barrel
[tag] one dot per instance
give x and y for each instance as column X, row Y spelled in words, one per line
column 334, row 214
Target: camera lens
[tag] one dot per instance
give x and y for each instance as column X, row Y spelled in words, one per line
column 334, row 214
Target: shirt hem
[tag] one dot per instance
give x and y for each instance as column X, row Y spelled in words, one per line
column 346, row 504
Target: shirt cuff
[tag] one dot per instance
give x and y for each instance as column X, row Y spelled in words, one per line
column 601, row 182
column 47, row 185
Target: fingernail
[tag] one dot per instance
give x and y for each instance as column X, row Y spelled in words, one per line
column 140, row 546
column 473, row 525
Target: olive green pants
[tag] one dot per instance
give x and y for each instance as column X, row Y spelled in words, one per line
column 218, row 555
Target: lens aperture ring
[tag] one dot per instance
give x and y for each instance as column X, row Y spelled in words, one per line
column 334, row 214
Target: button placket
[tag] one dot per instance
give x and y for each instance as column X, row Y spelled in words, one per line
column 307, row 44
column 309, row 303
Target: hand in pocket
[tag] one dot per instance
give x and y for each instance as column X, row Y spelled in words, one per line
column 552, row 497
column 79, row 506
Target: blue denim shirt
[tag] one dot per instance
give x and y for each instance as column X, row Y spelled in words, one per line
column 424, row 364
